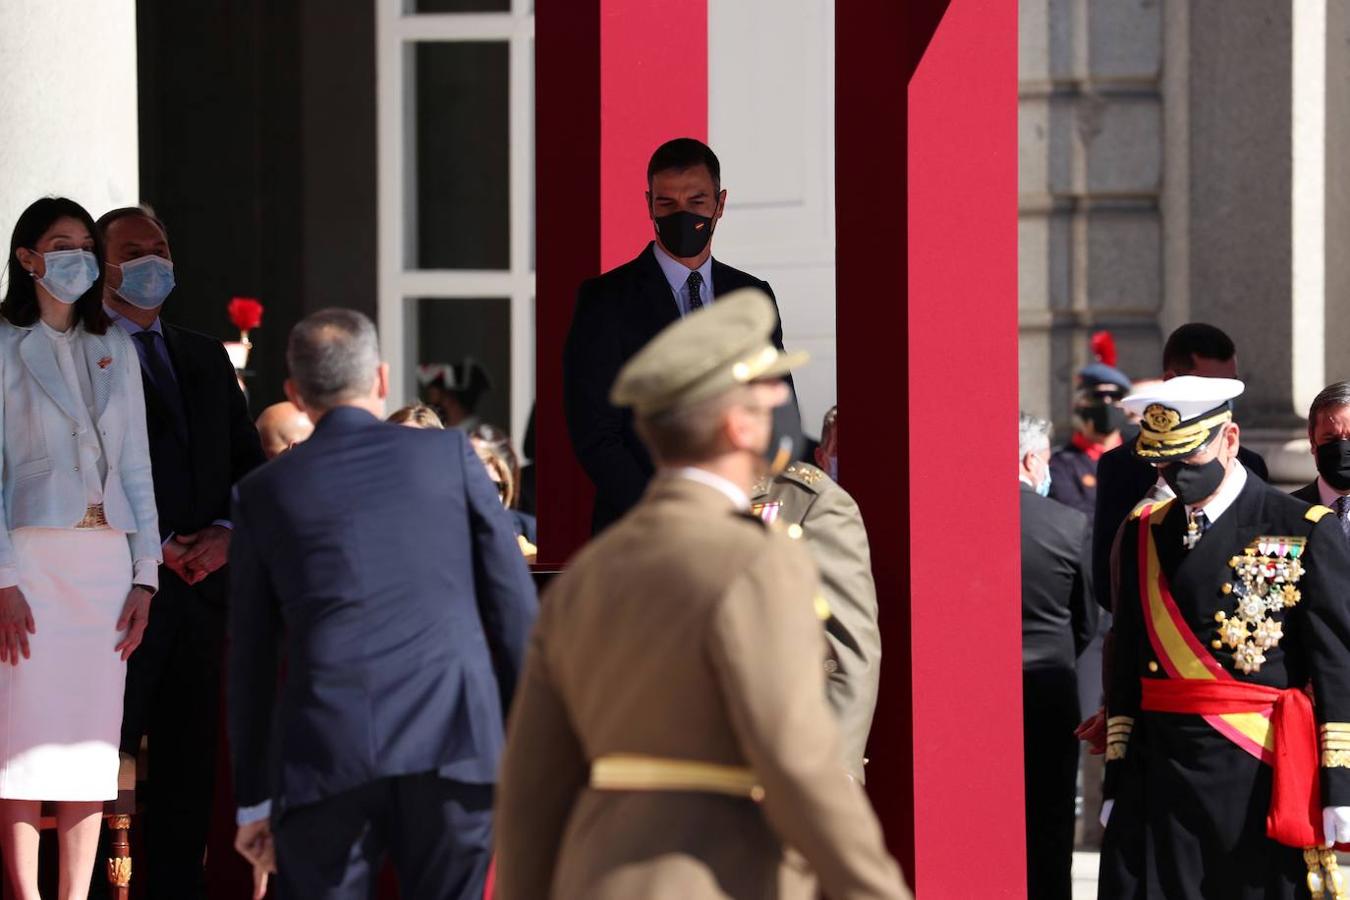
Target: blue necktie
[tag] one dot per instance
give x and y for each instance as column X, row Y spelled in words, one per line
column 1343, row 513
column 695, row 288
column 163, row 380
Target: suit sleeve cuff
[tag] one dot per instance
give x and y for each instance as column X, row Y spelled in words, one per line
column 247, row 815
column 146, row 572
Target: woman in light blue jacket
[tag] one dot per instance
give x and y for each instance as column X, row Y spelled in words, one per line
column 79, row 541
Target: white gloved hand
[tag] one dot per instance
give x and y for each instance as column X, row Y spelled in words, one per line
column 1336, row 825
column 1106, row 812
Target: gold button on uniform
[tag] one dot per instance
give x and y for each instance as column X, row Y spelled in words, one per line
column 1153, row 667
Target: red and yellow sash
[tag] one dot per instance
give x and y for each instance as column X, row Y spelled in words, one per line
column 1275, row 726
column 1181, row 653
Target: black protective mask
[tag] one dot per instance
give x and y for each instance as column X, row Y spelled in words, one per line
column 1104, row 419
column 1333, row 463
column 1194, row 483
column 684, row 234
column 785, row 439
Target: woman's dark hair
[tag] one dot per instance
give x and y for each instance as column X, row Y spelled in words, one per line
column 20, row 306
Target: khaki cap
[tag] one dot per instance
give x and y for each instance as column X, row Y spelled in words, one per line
column 706, row 353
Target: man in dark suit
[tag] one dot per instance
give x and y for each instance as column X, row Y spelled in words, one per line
column 621, row 310
column 1058, row 621
column 1122, row 479
column 201, row 442
column 382, row 558
column 1329, row 442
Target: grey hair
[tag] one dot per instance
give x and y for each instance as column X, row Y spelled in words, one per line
column 1331, row 396
column 1033, row 434
column 333, row 356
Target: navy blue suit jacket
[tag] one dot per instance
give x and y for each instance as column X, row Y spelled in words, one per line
column 380, row 560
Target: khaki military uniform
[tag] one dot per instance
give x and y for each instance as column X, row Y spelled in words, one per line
column 829, row 520
column 670, row 736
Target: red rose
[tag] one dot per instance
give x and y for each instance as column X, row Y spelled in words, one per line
column 246, row 313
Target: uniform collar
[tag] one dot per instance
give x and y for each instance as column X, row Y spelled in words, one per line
column 727, row 488
column 677, row 273
column 1326, row 493
column 131, row 327
column 1232, row 485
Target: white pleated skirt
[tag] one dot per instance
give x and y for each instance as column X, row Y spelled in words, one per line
column 61, row 710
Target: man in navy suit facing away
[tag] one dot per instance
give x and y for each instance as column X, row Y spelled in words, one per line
column 379, row 564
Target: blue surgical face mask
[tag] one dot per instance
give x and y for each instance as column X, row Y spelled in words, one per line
column 146, row 281
column 1044, row 487
column 70, row 274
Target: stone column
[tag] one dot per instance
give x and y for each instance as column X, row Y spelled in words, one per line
column 68, row 103
column 1268, row 205
column 1090, row 182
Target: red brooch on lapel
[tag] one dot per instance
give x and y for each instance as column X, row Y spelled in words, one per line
column 105, row 362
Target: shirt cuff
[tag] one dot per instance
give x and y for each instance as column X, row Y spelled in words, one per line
column 247, row 815
column 165, row 542
column 9, row 576
column 146, row 572
column 224, row 523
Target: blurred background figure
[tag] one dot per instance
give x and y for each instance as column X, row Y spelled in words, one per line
column 1329, row 441
column 827, row 453
column 806, row 498
column 454, row 390
column 1097, row 419
column 493, row 447
column 416, row 415
column 1058, row 619
column 281, row 426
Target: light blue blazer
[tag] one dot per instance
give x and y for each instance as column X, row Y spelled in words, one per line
column 40, row 424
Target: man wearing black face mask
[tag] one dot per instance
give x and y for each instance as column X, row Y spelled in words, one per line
column 621, row 310
column 1329, row 437
column 1098, row 419
column 1228, row 703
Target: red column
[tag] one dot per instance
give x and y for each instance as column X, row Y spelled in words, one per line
column 613, row 80
column 926, row 194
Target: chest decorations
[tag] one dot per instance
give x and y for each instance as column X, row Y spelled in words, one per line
column 1265, row 582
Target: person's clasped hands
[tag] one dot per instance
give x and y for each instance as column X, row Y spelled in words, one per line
column 194, row 556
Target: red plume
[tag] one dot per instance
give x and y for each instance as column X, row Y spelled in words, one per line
column 246, row 313
column 1104, row 347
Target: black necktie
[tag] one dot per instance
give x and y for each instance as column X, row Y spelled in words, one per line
column 1343, row 513
column 695, row 287
column 162, row 378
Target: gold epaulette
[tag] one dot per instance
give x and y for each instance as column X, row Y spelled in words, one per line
column 1334, row 738
column 1317, row 512
column 805, row 474
column 1145, row 504
column 1118, row 730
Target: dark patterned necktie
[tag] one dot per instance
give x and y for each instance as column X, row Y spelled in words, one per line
column 1196, row 527
column 1343, row 513
column 695, row 288
column 163, row 379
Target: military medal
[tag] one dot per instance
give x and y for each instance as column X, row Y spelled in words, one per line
column 768, row 511
column 1192, row 533
column 1267, row 574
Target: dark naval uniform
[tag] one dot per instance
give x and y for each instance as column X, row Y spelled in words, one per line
column 1073, row 478
column 1191, row 791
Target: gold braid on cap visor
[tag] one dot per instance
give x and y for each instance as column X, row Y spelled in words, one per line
column 748, row 370
column 1159, row 444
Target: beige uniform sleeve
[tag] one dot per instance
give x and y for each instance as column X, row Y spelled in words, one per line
column 764, row 642
column 837, row 539
column 543, row 769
